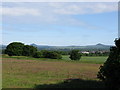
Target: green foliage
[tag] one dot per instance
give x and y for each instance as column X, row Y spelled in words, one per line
column 75, row 55
column 51, row 54
column 37, row 55
column 97, row 53
column 29, row 50
column 19, row 49
column 63, row 52
column 45, row 54
column 55, row 55
column 117, row 42
column 14, row 49
column 110, row 71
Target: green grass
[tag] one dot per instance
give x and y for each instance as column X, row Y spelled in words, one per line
column 84, row 59
column 89, row 59
column 28, row 72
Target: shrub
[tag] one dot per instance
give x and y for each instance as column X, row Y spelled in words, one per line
column 110, row 71
column 37, row 55
column 54, row 55
column 45, row 54
column 75, row 55
column 29, row 50
column 51, row 54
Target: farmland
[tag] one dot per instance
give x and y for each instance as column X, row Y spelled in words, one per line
column 27, row 72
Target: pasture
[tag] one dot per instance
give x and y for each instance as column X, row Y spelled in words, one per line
column 27, row 72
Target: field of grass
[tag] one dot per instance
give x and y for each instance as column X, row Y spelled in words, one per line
column 88, row 59
column 27, row 72
column 65, row 58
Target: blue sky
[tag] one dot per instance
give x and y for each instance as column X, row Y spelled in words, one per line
column 60, row 24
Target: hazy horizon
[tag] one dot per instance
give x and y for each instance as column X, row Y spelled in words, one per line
column 59, row 45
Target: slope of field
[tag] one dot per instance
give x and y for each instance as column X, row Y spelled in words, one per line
column 27, row 73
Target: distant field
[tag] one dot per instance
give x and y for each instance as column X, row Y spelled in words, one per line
column 88, row 59
column 26, row 72
column 84, row 59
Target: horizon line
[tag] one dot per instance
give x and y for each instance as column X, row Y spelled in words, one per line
column 62, row 45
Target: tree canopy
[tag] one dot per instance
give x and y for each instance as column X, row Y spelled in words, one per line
column 110, row 70
column 29, row 50
column 51, row 54
column 14, row 49
column 19, row 49
column 75, row 55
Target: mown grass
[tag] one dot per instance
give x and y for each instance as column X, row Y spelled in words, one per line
column 27, row 72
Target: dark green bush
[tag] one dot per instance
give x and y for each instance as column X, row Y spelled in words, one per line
column 51, row 54
column 29, row 50
column 55, row 55
column 110, row 71
column 37, row 55
column 75, row 55
column 45, row 54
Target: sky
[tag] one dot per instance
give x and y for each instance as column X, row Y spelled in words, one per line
column 59, row 23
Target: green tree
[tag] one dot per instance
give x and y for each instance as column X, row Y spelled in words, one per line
column 75, row 55
column 45, row 54
column 51, row 54
column 29, row 50
column 38, row 55
column 55, row 55
column 110, row 70
column 14, row 49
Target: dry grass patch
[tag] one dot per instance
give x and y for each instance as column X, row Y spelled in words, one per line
column 27, row 73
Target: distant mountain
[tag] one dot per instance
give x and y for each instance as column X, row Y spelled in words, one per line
column 33, row 45
column 42, row 46
column 3, row 46
column 98, row 46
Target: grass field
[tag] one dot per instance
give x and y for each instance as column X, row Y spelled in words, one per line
column 26, row 72
column 88, row 59
column 65, row 58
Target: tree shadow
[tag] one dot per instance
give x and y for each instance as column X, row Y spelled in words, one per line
column 74, row 83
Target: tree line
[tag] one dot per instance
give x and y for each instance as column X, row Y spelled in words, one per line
column 19, row 49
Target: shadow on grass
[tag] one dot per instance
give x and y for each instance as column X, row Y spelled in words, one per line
column 73, row 83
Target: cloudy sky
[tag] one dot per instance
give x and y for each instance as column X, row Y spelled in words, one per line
column 63, row 23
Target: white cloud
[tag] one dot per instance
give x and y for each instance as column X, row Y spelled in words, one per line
column 60, row 1
column 84, row 8
column 78, row 8
column 20, row 11
column 54, row 13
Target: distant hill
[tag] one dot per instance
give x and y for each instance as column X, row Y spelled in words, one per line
column 98, row 46
column 41, row 47
column 2, row 46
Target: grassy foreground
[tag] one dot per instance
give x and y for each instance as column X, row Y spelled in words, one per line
column 26, row 72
